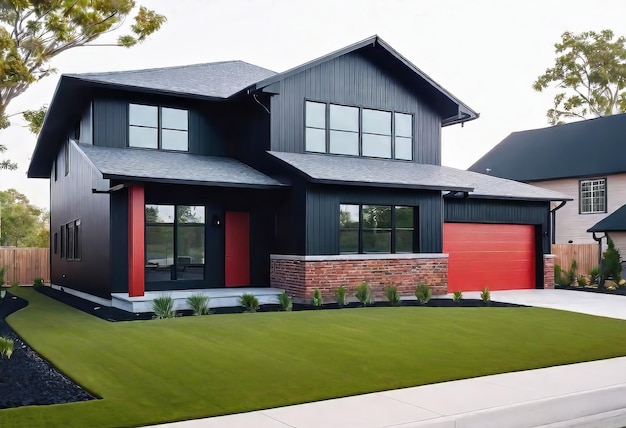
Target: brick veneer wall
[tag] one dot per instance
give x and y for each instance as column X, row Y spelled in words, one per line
column 548, row 271
column 300, row 275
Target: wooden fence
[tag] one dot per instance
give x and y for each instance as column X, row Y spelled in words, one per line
column 586, row 256
column 25, row 264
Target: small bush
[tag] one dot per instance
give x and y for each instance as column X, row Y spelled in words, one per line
column 341, row 294
column 199, row 304
column 364, row 293
column 285, row 301
column 611, row 262
column 3, row 270
column 594, row 275
column 571, row 273
column 581, row 281
column 6, row 347
column 163, row 307
column 485, row 295
column 38, row 282
column 391, row 292
column 557, row 273
column 560, row 277
column 610, row 285
column 249, row 302
column 457, row 296
column 423, row 293
column 318, row 300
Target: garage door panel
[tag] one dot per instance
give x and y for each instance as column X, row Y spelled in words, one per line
column 497, row 256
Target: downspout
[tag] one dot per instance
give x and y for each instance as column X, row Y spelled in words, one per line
column 599, row 241
column 553, row 220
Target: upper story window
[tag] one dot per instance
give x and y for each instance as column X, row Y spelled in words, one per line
column 357, row 131
column 592, row 196
column 162, row 128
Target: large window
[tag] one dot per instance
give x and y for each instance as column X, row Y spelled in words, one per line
column 71, row 240
column 356, row 131
column 153, row 127
column 174, row 242
column 376, row 229
column 593, row 196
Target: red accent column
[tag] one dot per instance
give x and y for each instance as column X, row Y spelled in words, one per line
column 136, row 244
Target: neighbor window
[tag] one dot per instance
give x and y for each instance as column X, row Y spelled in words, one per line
column 71, row 240
column 593, row 196
column 376, row 229
column 174, row 242
column 357, row 131
column 153, row 127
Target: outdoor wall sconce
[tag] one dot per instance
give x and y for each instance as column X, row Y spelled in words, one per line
column 217, row 221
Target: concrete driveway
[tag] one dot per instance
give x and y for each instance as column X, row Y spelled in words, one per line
column 604, row 305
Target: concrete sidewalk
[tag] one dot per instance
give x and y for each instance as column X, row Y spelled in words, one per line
column 589, row 394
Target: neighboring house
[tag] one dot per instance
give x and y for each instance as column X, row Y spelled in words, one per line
column 585, row 160
column 229, row 175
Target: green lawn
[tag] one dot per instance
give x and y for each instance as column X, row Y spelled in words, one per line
column 156, row 371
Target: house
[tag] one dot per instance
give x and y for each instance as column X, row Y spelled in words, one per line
column 584, row 160
column 223, row 175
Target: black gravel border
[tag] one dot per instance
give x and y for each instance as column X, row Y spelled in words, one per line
column 26, row 379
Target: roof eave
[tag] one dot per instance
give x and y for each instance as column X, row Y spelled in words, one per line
column 194, row 182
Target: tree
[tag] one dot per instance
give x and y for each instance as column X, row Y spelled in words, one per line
column 33, row 32
column 22, row 224
column 590, row 74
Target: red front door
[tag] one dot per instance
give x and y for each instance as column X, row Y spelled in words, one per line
column 237, row 227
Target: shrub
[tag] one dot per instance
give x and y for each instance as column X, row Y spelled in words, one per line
column 318, row 300
column 3, row 270
column 364, row 293
column 249, row 302
column 163, row 307
column 285, row 301
column 457, row 296
column 199, row 304
column 594, row 275
column 38, row 282
column 341, row 294
column 6, row 347
column 571, row 273
column 423, row 293
column 581, row 281
column 610, row 285
column 611, row 262
column 560, row 277
column 391, row 292
column 485, row 295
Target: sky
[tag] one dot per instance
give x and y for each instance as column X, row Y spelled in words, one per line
column 486, row 52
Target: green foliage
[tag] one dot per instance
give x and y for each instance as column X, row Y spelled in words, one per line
column 423, row 293
column 5, row 164
column 560, row 277
column 457, row 296
column 391, row 293
column 34, row 119
column 23, row 225
column 250, row 302
column 3, row 270
column 163, row 307
column 581, row 281
column 285, row 301
column 485, row 295
column 571, row 273
column 341, row 294
column 199, row 304
column 590, row 76
column 611, row 262
column 38, row 282
column 594, row 274
column 364, row 293
column 6, row 347
column 318, row 300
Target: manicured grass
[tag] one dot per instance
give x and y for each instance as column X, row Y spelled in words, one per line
column 156, row 371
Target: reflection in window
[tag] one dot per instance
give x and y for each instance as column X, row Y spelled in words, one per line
column 344, row 130
column 348, row 229
column 174, row 242
column 71, row 240
column 153, row 127
column 376, row 229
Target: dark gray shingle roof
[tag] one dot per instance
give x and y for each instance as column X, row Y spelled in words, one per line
column 391, row 173
column 579, row 149
column 215, row 80
column 615, row 222
column 169, row 167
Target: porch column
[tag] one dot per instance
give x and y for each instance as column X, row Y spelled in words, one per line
column 136, row 243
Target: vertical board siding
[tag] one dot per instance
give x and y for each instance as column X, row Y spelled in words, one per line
column 586, row 256
column 351, row 79
column 110, row 122
column 71, row 198
column 23, row 265
column 86, row 126
column 322, row 214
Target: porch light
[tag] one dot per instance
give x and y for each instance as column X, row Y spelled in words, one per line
column 217, row 221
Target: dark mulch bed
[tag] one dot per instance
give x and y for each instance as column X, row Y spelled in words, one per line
column 26, row 378
column 620, row 291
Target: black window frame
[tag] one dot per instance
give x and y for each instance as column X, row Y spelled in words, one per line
column 580, row 196
column 394, row 228
column 393, row 136
column 71, row 249
column 159, row 128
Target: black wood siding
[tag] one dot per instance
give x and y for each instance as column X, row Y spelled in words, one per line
column 352, row 79
column 71, row 198
column 322, row 214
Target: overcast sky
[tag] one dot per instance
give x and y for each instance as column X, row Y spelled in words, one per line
column 485, row 52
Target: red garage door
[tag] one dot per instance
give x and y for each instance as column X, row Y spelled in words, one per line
column 496, row 256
